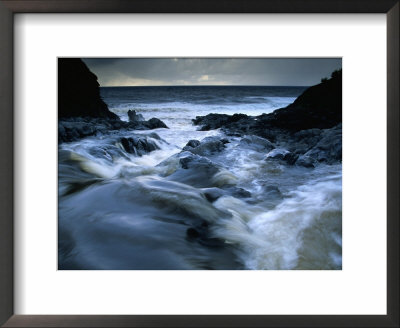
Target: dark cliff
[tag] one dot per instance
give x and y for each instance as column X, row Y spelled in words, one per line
column 319, row 106
column 79, row 92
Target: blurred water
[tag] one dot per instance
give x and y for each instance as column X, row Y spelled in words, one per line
column 120, row 211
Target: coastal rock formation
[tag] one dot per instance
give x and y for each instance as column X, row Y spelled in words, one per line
column 134, row 117
column 310, row 126
column 82, row 112
column 319, row 106
column 78, row 91
column 75, row 128
column 215, row 121
column 154, row 123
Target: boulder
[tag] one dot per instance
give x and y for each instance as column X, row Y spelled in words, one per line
column 256, row 143
column 212, row 194
column 195, row 170
column 193, row 143
column 305, row 161
column 282, row 155
column 138, row 145
column 272, row 191
column 208, row 146
column 155, row 123
column 329, row 147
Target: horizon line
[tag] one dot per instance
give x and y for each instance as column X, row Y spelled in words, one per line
column 204, row 85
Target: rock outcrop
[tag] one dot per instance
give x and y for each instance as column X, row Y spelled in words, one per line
column 78, row 91
column 309, row 129
column 82, row 112
column 75, row 128
column 319, row 106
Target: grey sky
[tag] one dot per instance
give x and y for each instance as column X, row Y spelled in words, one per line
column 211, row 71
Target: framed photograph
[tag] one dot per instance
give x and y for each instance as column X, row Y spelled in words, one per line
column 206, row 164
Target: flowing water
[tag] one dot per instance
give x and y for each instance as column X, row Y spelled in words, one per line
column 120, row 211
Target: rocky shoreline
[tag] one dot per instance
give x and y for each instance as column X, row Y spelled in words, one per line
column 305, row 133
column 241, row 199
column 76, row 128
column 82, row 112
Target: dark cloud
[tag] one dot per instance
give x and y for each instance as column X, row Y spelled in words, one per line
column 211, row 71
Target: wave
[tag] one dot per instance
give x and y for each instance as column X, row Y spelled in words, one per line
column 302, row 232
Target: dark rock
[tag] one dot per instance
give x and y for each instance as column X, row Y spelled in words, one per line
column 154, row 136
column 282, row 155
column 78, row 91
column 207, row 147
column 329, row 147
column 319, row 106
column 134, row 117
column 257, row 143
column 196, row 171
column 138, row 145
column 215, row 121
column 155, row 123
column 239, row 192
column 301, row 127
column 72, row 131
column 75, row 128
column 212, row 194
column 305, row 161
column 271, row 191
column 193, row 143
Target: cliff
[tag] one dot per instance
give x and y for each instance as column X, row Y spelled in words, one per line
column 79, row 92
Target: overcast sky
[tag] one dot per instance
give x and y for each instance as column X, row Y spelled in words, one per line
column 211, row 71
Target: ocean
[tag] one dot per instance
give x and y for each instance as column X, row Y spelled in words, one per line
column 143, row 212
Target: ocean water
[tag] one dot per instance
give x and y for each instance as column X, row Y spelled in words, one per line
column 120, row 211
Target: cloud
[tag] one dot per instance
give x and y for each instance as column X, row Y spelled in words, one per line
column 211, row 71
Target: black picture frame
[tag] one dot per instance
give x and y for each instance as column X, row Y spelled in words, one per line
column 10, row 7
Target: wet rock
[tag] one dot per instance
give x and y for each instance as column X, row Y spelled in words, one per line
column 212, row 194
column 193, row 143
column 134, row 117
column 257, row 143
column 239, row 192
column 75, row 128
column 272, row 191
column 215, row 121
column 310, row 126
column 305, row 161
column 155, row 123
column 329, row 147
column 196, row 171
column 207, row 147
column 282, row 155
column 72, row 131
column 138, row 145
